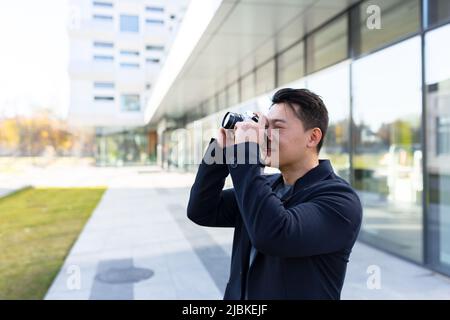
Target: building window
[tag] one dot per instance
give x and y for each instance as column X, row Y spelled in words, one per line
column 443, row 136
column 154, row 21
column 399, row 18
column 99, row 44
column 130, row 102
column 129, row 65
column 438, row 12
column 102, row 4
column 135, row 146
column 104, row 85
column 328, row 45
column 129, row 23
column 210, row 106
column 103, row 58
column 154, row 9
column 248, row 87
column 103, row 98
column 154, row 48
column 233, row 94
column 291, row 64
column 152, row 60
column 129, row 53
column 437, row 135
column 387, row 169
column 102, row 17
column 333, row 85
column 222, row 102
column 265, row 78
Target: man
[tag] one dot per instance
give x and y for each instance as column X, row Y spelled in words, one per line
column 294, row 231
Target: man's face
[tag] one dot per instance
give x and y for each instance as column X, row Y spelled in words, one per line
column 288, row 140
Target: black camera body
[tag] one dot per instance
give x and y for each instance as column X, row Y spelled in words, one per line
column 231, row 118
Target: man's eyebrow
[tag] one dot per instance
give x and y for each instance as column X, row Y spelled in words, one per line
column 277, row 120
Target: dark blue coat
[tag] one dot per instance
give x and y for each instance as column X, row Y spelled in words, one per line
column 303, row 240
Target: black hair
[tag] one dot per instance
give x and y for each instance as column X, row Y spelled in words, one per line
column 307, row 106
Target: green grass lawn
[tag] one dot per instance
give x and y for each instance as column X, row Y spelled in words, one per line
column 37, row 229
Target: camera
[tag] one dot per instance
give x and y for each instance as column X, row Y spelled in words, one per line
column 231, row 118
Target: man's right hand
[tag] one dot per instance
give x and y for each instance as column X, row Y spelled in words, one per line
column 225, row 137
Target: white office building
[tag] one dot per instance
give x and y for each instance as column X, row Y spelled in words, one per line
column 117, row 48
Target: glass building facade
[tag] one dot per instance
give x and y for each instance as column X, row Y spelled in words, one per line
column 126, row 147
column 388, row 94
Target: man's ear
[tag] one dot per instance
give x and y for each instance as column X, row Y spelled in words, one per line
column 314, row 138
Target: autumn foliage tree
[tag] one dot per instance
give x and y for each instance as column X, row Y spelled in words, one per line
column 33, row 136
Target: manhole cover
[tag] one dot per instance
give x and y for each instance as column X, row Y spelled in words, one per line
column 124, row 275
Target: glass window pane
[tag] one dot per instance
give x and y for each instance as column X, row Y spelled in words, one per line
column 437, row 53
column 102, row 17
column 129, row 53
column 100, row 44
column 104, row 85
column 265, row 78
column 438, row 11
column 129, row 65
column 154, row 9
column 398, row 18
column 154, row 48
column 328, row 45
column 154, row 22
column 133, row 147
column 196, row 112
column 387, row 156
column 222, row 100
column 233, row 94
column 106, row 58
column 333, row 85
column 291, row 64
column 210, row 106
column 102, row 4
column 130, row 102
column 129, row 23
column 438, row 144
column 248, row 87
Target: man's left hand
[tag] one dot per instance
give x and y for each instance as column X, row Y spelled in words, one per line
column 251, row 131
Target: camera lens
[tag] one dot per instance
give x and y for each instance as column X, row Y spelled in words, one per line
column 230, row 119
column 226, row 120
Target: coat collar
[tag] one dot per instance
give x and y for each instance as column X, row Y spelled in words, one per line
column 318, row 173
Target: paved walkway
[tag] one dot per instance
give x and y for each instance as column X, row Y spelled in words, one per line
column 139, row 244
column 9, row 185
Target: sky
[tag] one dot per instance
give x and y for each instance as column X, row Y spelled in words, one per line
column 33, row 57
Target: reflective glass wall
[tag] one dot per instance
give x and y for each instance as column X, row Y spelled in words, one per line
column 333, row 85
column 387, row 156
column 437, row 53
column 132, row 147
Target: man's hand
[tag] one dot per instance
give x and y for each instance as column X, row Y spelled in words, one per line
column 225, row 137
column 251, row 131
column 246, row 131
column 255, row 132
